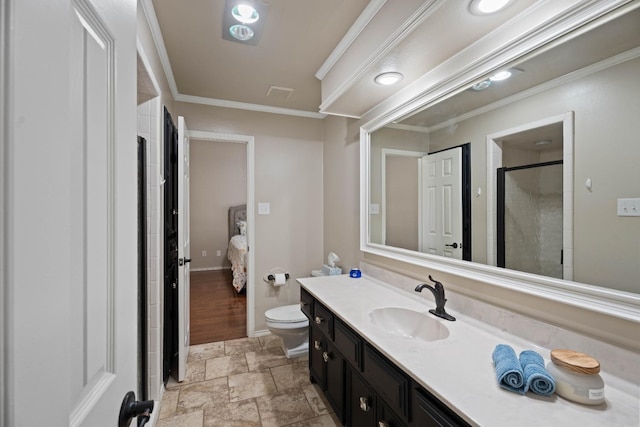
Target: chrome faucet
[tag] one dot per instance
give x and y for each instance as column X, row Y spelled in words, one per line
column 438, row 293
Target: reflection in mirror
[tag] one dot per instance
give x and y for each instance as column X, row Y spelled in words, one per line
column 552, row 149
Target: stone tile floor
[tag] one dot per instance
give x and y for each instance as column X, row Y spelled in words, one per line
column 245, row 382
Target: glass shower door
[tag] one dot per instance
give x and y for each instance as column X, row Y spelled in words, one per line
column 530, row 218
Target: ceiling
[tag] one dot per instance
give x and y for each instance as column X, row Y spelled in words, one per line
column 299, row 35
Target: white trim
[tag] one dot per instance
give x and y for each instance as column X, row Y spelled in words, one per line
column 407, row 27
column 262, row 333
column 494, row 161
column 246, row 106
column 361, row 23
column 251, row 241
column 147, row 65
column 150, row 15
column 7, row 377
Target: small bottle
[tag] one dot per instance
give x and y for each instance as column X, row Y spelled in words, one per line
column 355, row 273
column 577, row 377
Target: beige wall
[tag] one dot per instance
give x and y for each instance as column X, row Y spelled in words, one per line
column 218, row 180
column 341, row 176
column 288, row 175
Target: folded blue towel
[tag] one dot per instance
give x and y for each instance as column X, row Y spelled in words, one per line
column 536, row 377
column 508, row 369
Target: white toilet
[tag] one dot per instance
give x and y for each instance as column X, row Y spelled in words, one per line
column 289, row 323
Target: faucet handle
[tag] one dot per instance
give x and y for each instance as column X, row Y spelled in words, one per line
column 438, row 284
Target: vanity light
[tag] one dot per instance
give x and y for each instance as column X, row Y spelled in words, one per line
column 388, row 78
column 486, row 7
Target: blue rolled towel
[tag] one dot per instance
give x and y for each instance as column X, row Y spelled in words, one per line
column 508, row 369
column 536, row 377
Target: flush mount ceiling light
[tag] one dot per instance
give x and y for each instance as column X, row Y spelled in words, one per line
column 388, row 78
column 500, row 75
column 487, row 7
column 243, row 21
column 481, row 85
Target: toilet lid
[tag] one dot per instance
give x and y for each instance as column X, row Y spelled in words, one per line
column 285, row 314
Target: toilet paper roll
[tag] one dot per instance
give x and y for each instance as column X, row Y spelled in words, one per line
column 281, row 279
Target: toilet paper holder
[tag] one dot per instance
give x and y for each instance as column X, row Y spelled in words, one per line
column 272, row 277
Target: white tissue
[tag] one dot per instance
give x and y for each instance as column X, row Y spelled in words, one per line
column 281, row 279
column 332, row 259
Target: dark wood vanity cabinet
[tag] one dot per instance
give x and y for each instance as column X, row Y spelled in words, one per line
column 365, row 388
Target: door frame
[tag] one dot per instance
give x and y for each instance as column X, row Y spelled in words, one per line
column 250, row 143
column 494, row 162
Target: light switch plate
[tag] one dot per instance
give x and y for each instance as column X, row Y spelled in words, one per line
column 374, row 209
column 264, row 208
column 628, row 207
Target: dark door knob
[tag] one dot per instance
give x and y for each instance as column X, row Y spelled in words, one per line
column 131, row 408
column 183, row 261
column 454, row 246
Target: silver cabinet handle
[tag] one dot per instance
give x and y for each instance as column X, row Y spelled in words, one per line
column 303, row 304
column 316, row 344
column 318, row 320
column 364, row 404
column 383, row 424
column 325, row 356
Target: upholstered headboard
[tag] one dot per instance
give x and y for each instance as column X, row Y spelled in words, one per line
column 236, row 213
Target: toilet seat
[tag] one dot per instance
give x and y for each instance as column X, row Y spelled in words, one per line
column 285, row 314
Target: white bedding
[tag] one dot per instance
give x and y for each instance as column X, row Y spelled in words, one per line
column 237, row 254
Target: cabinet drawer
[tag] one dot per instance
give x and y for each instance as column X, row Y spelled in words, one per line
column 430, row 412
column 323, row 319
column 347, row 343
column 389, row 382
column 306, row 303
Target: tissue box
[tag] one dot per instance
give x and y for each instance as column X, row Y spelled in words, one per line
column 331, row 271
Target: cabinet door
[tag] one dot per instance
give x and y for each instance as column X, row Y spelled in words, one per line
column 386, row 418
column 334, row 380
column 429, row 412
column 360, row 402
column 317, row 367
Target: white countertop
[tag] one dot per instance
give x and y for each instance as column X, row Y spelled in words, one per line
column 459, row 369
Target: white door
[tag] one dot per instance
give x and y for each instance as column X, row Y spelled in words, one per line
column 184, row 249
column 70, row 265
column 442, row 199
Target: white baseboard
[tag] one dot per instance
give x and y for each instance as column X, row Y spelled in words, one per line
column 262, row 333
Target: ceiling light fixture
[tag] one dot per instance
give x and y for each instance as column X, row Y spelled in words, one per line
column 245, row 13
column 388, row 78
column 487, row 7
column 484, row 84
column 500, row 75
column 243, row 21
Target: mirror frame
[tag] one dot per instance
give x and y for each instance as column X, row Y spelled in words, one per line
column 450, row 78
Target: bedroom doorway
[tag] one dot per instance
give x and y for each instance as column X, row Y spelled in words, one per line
column 221, row 184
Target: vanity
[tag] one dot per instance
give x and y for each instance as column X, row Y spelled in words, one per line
column 373, row 374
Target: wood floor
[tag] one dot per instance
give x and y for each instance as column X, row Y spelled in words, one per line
column 218, row 313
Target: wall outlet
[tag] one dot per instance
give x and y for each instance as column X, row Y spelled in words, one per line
column 628, row 207
column 218, row 252
column 204, row 253
column 264, row 208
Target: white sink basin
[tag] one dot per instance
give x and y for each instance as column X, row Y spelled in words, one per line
column 409, row 323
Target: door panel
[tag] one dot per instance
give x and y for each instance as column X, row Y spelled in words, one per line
column 73, row 213
column 442, row 172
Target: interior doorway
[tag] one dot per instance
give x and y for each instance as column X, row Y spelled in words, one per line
column 548, row 140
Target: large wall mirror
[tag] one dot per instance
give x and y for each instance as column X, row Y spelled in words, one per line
column 549, row 153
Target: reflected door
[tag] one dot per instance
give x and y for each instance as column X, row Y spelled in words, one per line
column 530, row 218
column 442, row 203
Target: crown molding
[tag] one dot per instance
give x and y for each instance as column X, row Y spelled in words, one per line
column 361, row 23
column 152, row 20
column 246, row 106
column 417, row 18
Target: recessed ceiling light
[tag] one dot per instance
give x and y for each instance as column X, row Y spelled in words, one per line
column 543, row 142
column 245, row 13
column 500, row 75
column 486, row 7
column 388, row 78
column 481, row 85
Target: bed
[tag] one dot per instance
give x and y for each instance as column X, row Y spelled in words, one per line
column 237, row 251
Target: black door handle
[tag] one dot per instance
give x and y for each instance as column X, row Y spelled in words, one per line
column 183, row 261
column 454, row 246
column 133, row 408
